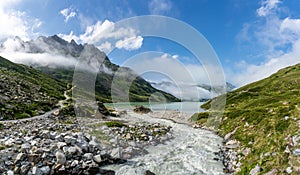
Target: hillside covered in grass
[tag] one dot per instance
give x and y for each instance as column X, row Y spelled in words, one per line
column 140, row 90
column 26, row 92
column 88, row 59
column 266, row 117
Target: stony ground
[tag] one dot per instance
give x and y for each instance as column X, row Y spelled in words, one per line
column 54, row 145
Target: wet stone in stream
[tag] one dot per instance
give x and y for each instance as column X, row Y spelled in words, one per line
column 129, row 141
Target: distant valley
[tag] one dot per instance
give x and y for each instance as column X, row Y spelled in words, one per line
column 58, row 58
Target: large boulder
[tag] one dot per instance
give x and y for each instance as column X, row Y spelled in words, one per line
column 142, row 109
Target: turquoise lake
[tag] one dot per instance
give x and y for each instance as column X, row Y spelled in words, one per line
column 186, row 107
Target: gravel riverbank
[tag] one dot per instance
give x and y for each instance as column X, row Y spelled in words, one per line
column 57, row 145
column 142, row 143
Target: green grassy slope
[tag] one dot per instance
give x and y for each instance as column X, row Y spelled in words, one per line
column 25, row 91
column 267, row 116
column 140, row 90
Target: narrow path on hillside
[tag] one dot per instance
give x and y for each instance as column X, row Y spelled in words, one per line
column 46, row 114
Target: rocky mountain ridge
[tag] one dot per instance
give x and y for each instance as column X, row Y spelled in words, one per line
column 58, row 58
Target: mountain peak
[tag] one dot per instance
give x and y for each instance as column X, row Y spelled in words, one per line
column 73, row 42
column 58, row 39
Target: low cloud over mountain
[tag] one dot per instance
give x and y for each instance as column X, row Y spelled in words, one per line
column 54, row 52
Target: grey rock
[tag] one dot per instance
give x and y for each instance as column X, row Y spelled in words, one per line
column 20, row 157
column 65, row 149
column 79, row 150
column 36, row 171
column 45, row 134
column 272, row 172
column 227, row 136
column 246, row 151
column 60, row 145
column 72, row 150
column 59, row 138
column 296, row 152
column 93, row 168
column 94, row 143
column 34, row 142
column 84, row 146
column 289, row 170
column 97, row 159
column 25, row 147
column 287, row 150
column 60, row 157
column 128, row 136
column 132, row 143
column 45, row 169
column 88, row 156
column 116, row 152
column 24, row 169
column 9, row 142
column 52, row 135
column 295, row 140
column 9, row 172
column 255, row 170
column 267, row 154
column 68, row 139
column 88, row 136
column 62, row 170
column 27, row 139
column 74, row 163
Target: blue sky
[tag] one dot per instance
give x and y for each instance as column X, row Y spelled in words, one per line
column 252, row 38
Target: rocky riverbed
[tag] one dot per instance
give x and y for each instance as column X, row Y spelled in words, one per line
column 55, row 145
column 189, row 151
column 152, row 143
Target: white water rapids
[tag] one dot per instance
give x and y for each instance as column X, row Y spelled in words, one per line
column 190, row 152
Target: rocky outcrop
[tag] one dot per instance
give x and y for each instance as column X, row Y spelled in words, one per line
column 142, row 109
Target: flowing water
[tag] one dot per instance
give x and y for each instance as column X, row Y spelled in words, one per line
column 191, row 152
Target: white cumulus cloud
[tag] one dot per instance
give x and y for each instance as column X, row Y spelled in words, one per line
column 68, row 13
column 251, row 72
column 131, row 43
column 105, row 35
column 267, row 7
column 16, row 23
column 290, row 27
column 280, row 38
column 105, row 47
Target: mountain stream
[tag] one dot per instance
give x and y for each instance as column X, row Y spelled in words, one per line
column 190, row 152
